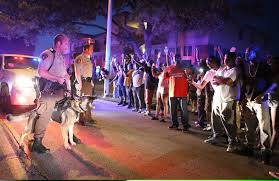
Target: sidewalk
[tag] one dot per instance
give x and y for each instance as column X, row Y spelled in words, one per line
column 11, row 167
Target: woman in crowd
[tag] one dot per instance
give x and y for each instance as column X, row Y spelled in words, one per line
column 162, row 94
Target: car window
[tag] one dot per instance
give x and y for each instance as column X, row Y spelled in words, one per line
column 13, row 62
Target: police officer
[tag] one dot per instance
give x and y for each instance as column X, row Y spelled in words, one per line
column 52, row 71
column 84, row 72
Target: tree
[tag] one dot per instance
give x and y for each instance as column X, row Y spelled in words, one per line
column 159, row 17
column 29, row 18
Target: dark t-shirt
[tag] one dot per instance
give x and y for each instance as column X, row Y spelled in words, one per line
column 150, row 82
column 275, row 79
column 256, row 80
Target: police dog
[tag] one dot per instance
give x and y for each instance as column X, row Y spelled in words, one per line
column 67, row 114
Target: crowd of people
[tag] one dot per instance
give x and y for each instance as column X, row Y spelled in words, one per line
column 229, row 93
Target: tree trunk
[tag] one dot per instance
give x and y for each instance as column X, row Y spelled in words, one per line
column 136, row 49
column 147, row 40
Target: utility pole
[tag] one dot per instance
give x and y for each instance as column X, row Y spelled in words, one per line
column 108, row 47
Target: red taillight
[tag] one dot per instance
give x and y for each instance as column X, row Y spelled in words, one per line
column 18, row 58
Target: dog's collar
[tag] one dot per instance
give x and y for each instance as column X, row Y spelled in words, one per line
column 82, row 108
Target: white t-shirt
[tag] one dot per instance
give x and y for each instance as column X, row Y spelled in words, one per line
column 224, row 92
column 208, row 77
column 137, row 78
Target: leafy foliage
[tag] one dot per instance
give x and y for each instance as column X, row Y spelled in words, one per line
column 28, row 18
column 164, row 16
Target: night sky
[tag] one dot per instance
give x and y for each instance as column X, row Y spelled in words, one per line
column 258, row 13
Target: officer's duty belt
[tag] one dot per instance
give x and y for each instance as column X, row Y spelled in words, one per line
column 88, row 79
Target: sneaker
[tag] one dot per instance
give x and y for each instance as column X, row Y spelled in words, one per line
column 212, row 140
column 162, row 121
column 120, row 103
column 130, row 106
column 147, row 113
column 266, row 155
column 82, row 123
column 39, row 147
column 231, row 148
column 134, row 110
column 186, row 127
column 87, row 123
column 199, row 125
column 274, row 174
column 208, row 128
column 124, row 104
column 139, row 111
column 173, row 127
column 154, row 118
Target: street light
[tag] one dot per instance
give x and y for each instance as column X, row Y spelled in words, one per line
column 166, row 50
column 142, row 48
column 145, row 25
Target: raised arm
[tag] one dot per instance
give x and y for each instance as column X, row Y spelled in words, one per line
column 220, row 53
column 197, row 55
column 154, row 73
column 139, row 63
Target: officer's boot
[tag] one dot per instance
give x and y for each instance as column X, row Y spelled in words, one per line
column 266, row 156
column 76, row 140
column 38, row 146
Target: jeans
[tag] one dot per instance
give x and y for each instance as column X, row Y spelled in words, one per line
column 201, row 110
column 138, row 97
column 129, row 94
column 122, row 93
column 182, row 102
column 115, row 90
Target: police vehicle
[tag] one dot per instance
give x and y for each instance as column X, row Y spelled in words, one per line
column 17, row 78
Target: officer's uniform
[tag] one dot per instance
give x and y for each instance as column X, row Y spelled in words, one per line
column 54, row 63
column 84, row 65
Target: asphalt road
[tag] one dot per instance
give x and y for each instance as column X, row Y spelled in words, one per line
column 127, row 145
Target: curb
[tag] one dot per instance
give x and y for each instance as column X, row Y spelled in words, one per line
column 14, row 166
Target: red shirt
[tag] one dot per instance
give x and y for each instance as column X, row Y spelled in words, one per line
column 178, row 82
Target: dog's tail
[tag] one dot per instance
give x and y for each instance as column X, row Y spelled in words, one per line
column 18, row 118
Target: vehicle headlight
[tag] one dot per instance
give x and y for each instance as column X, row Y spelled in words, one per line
column 22, row 81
